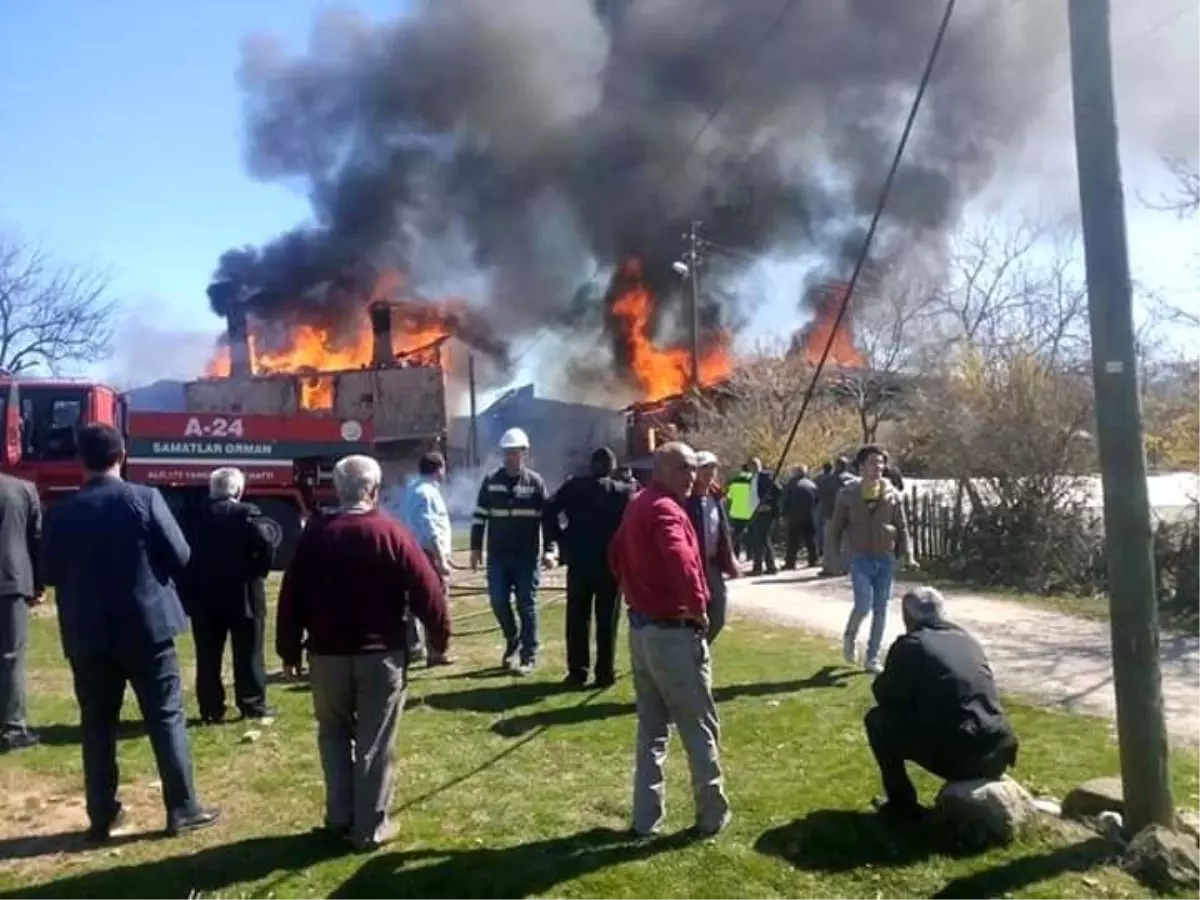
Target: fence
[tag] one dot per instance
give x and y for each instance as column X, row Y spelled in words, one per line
column 934, row 527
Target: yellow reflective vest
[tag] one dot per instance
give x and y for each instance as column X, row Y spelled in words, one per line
column 741, row 500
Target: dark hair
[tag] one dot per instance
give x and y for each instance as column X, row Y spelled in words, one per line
column 801, row 472
column 100, row 447
column 869, row 450
column 827, row 468
column 431, row 463
column 603, row 461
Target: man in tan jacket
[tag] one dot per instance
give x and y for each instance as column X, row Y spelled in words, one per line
column 869, row 515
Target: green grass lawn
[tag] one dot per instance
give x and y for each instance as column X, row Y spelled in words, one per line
column 514, row 788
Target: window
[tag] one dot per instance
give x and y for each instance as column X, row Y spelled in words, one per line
column 49, row 418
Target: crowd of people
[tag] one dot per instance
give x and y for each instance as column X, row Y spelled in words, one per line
column 115, row 554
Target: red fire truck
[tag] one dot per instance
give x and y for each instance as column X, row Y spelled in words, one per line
column 256, row 424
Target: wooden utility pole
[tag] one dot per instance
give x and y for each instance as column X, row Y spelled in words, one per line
column 472, row 426
column 1141, row 726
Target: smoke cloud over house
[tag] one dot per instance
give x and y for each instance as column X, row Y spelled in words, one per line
column 539, row 144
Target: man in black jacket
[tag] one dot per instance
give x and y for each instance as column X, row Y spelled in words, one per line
column 226, row 598
column 937, row 707
column 20, row 588
column 799, row 517
column 592, row 506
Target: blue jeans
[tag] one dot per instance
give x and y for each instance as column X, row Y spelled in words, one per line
column 871, row 577
column 100, row 681
column 505, row 578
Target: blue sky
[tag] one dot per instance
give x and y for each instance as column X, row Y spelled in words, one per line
column 121, row 148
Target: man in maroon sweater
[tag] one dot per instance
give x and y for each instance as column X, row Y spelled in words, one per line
column 656, row 557
column 344, row 598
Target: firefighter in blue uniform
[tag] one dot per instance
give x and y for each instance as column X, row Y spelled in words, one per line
column 511, row 502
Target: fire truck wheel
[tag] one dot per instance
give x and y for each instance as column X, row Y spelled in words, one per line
column 281, row 522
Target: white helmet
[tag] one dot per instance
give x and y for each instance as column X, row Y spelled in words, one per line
column 514, row 439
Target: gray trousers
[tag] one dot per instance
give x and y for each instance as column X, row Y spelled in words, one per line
column 358, row 701
column 14, row 638
column 673, row 682
column 718, row 600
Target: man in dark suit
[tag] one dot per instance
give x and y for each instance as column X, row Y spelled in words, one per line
column 111, row 552
column 20, row 588
column 799, row 516
column 225, row 596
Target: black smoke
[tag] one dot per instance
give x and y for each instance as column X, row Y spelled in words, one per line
column 551, row 139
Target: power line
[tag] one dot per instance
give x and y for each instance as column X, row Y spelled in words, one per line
column 870, row 236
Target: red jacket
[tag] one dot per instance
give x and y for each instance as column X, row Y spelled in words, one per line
column 656, row 557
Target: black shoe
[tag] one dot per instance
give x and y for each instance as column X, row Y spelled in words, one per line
column 197, row 821
column 212, row 718
column 19, row 740
column 262, row 712
column 335, row 832
column 575, row 682
column 902, row 813
column 98, row 834
column 603, row 682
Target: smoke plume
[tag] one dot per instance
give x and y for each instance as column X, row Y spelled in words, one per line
column 545, row 141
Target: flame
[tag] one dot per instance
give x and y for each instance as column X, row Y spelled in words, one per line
column 811, row 340
column 311, row 350
column 660, row 372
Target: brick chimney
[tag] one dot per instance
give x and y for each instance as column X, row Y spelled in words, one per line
column 240, row 364
column 381, row 329
column 229, row 297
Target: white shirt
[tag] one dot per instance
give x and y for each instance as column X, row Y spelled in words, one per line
column 426, row 515
column 712, row 526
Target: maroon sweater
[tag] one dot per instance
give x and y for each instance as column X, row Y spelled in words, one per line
column 348, row 586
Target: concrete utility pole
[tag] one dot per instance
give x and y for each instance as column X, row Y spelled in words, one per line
column 1141, row 726
column 693, row 264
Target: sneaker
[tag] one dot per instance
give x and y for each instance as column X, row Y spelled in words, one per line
column 441, row 659
column 509, row 659
column 874, row 666
column 525, row 669
column 849, row 651
column 262, row 712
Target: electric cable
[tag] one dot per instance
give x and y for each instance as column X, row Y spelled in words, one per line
column 869, row 238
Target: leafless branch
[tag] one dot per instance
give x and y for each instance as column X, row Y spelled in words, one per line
column 51, row 313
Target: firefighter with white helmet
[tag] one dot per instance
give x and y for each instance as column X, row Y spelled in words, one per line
column 512, row 500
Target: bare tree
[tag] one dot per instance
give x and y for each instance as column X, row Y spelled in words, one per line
column 51, row 313
column 1014, row 291
column 887, row 330
column 756, row 407
column 1184, row 198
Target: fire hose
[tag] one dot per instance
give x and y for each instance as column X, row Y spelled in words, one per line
column 868, row 240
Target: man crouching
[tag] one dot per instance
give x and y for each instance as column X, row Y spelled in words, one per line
column 937, row 707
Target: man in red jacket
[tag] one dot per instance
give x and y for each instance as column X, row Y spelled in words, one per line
column 656, row 557
column 345, row 596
